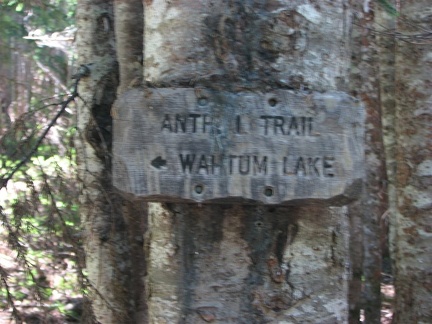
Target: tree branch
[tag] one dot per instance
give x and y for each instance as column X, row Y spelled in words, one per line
column 82, row 72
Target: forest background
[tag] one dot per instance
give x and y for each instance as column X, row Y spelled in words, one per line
column 41, row 257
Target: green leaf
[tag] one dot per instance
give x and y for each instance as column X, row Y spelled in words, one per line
column 19, row 7
column 391, row 10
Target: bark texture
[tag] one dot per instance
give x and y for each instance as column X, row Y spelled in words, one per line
column 257, row 264
column 129, row 23
column 387, row 53
column 114, row 229
column 247, row 264
column 238, row 263
column 413, row 156
column 364, row 84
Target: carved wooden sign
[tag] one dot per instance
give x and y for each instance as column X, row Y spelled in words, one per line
column 207, row 145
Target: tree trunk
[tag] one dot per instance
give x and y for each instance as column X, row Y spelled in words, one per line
column 113, row 226
column 364, row 83
column 236, row 263
column 240, row 263
column 412, row 208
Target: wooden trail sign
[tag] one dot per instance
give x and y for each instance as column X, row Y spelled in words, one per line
column 206, row 145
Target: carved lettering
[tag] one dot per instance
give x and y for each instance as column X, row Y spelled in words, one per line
column 166, row 123
column 300, row 167
column 278, row 122
column 260, row 167
column 231, row 162
column 275, row 147
column 272, row 125
column 213, row 164
column 202, row 165
column 207, row 121
column 294, row 125
column 194, row 123
column 313, row 167
column 308, row 166
column 180, row 121
column 328, row 166
column 187, row 162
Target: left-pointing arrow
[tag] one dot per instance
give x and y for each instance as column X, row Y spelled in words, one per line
column 159, row 163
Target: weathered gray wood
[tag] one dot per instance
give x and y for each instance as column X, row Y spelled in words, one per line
column 207, row 145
